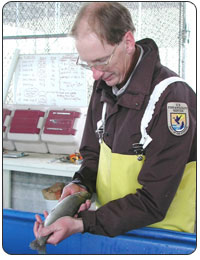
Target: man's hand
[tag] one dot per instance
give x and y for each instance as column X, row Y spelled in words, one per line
column 64, row 226
column 72, row 188
column 60, row 229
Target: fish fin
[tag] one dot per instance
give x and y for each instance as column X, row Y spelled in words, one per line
column 35, row 245
column 42, row 250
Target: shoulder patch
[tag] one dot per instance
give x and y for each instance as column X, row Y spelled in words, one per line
column 177, row 118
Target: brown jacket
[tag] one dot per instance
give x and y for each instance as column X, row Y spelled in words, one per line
column 166, row 155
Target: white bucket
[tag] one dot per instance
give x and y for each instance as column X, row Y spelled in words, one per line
column 50, row 204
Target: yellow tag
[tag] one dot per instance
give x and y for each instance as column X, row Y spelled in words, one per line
column 178, row 118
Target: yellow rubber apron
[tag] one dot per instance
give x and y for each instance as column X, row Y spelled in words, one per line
column 118, row 173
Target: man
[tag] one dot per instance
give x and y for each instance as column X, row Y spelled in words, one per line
column 138, row 152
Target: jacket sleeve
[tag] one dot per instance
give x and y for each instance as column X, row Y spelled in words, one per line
column 160, row 176
column 89, row 150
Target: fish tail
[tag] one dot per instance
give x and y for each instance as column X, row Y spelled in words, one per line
column 37, row 245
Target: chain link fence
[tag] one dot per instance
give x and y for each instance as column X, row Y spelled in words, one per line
column 42, row 27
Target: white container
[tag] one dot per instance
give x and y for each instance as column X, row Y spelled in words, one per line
column 25, row 130
column 63, row 130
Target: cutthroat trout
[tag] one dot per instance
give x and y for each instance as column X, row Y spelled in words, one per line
column 66, row 207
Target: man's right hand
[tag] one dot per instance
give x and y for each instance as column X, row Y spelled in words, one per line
column 72, row 188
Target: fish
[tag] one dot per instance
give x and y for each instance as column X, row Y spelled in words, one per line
column 69, row 206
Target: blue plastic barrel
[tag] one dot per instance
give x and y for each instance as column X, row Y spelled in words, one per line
column 18, row 233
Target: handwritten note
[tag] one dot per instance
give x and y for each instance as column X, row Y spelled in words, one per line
column 50, row 79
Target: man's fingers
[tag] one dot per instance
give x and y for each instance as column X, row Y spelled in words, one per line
column 39, row 229
column 38, row 218
column 52, row 240
column 64, row 194
column 37, row 225
column 35, row 228
column 88, row 204
column 85, row 206
column 45, row 214
column 45, row 231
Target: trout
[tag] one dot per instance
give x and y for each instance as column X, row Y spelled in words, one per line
column 66, row 207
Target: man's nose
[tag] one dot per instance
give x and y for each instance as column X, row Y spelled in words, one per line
column 97, row 74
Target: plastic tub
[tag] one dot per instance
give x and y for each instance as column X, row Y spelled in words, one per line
column 18, row 233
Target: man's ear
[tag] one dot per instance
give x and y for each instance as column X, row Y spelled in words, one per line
column 129, row 41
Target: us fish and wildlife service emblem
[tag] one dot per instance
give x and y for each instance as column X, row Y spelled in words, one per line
column 178, row 118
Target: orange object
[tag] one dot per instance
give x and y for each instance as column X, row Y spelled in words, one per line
column 75, row 157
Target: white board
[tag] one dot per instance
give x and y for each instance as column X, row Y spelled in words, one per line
column 50, row 79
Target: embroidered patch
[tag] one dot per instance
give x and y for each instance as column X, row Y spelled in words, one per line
column 178, row 118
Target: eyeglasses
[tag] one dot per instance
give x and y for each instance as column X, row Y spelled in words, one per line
column 97, row 65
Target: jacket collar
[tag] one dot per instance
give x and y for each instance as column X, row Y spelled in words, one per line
column 141, row 82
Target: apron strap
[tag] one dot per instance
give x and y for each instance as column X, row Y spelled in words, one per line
column 158, row 90
column 101, row 123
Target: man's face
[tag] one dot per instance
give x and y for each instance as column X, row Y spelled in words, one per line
column 92, row 51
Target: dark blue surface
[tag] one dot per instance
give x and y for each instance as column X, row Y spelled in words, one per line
column 18, row 233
